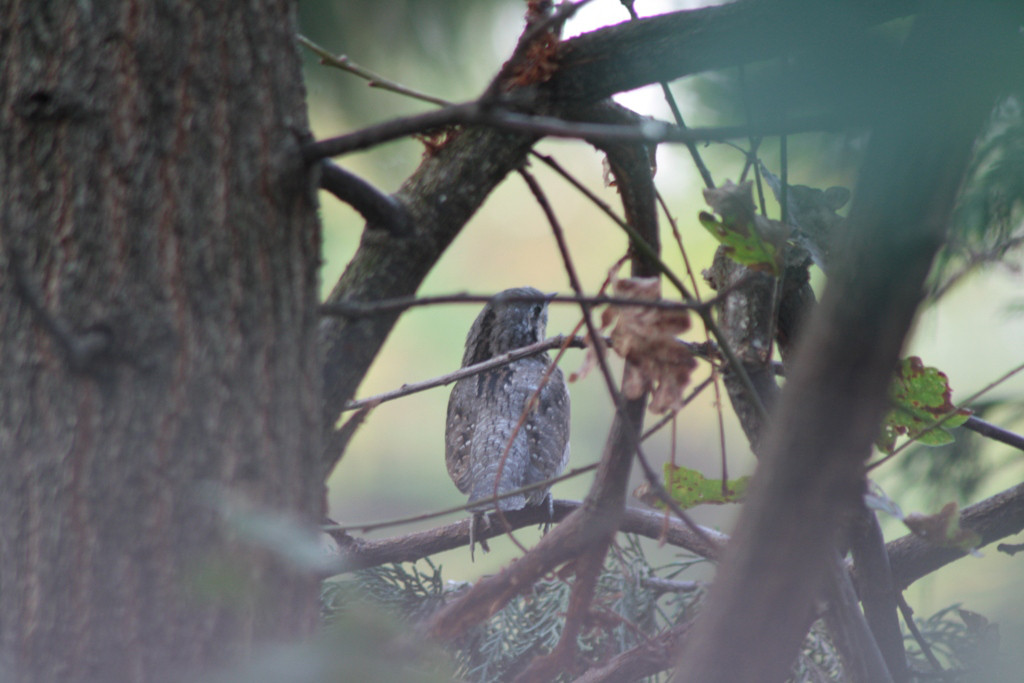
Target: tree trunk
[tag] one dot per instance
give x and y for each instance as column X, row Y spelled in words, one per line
column 157, row 334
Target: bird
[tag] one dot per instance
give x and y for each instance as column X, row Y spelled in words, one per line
column 484, row 410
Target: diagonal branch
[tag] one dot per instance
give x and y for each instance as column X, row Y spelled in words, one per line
column 994, row 518
column 375, row 207
column 663, row 48
column 829, row 411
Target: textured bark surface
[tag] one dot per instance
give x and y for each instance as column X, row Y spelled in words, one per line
column 154, row 199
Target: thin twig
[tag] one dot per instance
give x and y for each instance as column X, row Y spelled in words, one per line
column 697, row 350
column 402, row 521
column 477, row 113
column 670, row 99
column 647, row 252
column 602, row 361
column 665, row 497
column 926, row 649
column 375, row 80
column 670, row 416
column 468, row 371
column 707, row 337
column 574, row 281
column 357, row 309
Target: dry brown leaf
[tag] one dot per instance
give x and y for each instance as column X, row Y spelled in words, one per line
column 646, row 338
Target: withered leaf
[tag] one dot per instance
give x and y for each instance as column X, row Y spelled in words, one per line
column 943, row 528
column 646, row 338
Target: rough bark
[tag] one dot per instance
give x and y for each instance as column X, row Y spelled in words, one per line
column 157, row 333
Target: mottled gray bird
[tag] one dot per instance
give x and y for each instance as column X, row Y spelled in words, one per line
column 484, row 409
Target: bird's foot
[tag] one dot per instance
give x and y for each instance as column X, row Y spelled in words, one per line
column 549, row 502
column 477, row 523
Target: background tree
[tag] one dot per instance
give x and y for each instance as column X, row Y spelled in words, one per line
column 158, row 307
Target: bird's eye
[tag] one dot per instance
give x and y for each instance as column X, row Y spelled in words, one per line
column 537, row 310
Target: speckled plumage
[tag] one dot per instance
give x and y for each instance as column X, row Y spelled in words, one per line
column 483, row 410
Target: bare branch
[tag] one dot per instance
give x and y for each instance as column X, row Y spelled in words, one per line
column 922, row 642
column 993, row 519
column 468, row 371
column 698, row 161
column 376, row 207
column 358, row 553
column 861, row 657
column 465, row 506
column 505, row 118
column 599, row 64
column 374, row 80
column 994, row 432
column 876, row 589
column 359, row 309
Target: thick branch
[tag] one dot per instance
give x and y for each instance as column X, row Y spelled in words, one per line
column 994, row 518
column 876, row 590
column 859, row 650
column 376, row 207
column 360, row 554
column 664, row 48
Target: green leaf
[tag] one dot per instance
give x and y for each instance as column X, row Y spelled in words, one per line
column 748, row 238
column 689, row 487
column 747, row 248
column 920, row 397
